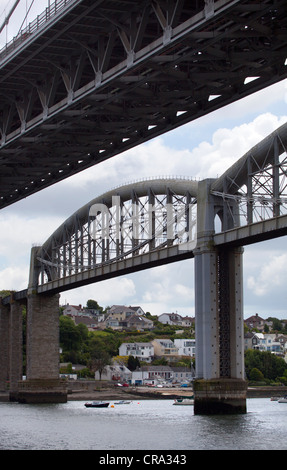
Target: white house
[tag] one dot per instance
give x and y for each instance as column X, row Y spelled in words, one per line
column 155, row 375
column 267, row 342
column 151, row 375
column 72, row 310
column 142, row 351
column 170, row 319
column 186, row 347
column 117, row 372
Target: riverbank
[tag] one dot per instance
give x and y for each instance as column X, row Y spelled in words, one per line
column 144, row 393
column 78, row 391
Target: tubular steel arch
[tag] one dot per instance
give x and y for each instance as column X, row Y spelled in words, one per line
column 257, row 183
column 126, row 222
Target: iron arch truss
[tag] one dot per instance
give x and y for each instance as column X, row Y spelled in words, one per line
column 143, row 223
column 257, row 182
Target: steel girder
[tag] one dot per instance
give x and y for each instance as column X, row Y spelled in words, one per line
column 103, row 76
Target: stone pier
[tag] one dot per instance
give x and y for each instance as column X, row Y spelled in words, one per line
column 15, row 348
column 42, row 384
column 11, row 344
column 4, row 347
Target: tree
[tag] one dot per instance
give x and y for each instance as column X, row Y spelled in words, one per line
column 133, row 363
column 99, row 360
column 256, row 375
column 70, row 337
column 93, row 304
column 269, row 364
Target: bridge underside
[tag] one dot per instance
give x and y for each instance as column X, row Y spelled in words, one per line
column 121, row 75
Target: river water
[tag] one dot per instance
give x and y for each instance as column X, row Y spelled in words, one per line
column 141, row 425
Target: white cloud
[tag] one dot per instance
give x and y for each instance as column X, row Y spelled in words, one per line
column 271, row 277
column 14, row 278
column 119, row 290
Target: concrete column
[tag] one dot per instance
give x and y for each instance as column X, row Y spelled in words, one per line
column 219, row 386
column 206, row 317
column 4, row 346
column 206, row 302
column 237, row 368
column 15, row 347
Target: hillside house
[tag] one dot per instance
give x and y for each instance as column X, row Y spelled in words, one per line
column 165, row 348
column 170, row 319
column 155, row 375
column 176, row 319
column 142, row 351
column 116, row 372
column 182, row 374
column 152, row 375
column 255, row 322
column 186, row 347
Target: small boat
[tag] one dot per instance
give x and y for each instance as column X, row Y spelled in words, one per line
column 122, row 402
column 283, row 399
column 184, row 401
column 274, row 398
column 97, row 404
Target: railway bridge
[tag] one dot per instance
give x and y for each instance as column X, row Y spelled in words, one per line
column 89, row 79
column 149, row 223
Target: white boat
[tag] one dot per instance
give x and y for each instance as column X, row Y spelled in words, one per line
column 184, row 401
column 283, row 399
column 122, row 402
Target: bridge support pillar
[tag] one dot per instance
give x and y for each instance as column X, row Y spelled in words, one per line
column 15, row 348
column 220, row 387
column 4, row 347
column 43, row 384
column 11, row 348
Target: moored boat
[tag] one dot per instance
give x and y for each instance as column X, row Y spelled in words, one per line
column 122, row 402
column 97, row 404
column 184, row 401
column 283, row 399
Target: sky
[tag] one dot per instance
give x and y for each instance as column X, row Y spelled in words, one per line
column 204, row 148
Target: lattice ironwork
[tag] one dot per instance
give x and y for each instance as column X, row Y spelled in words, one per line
column 120, row 225
column 224, row 313
column 91, row 79
column 255, row 188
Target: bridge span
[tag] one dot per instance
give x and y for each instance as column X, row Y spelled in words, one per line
column 121, row 73
column 145, row 224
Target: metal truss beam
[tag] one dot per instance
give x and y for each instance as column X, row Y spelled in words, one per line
column 122, row 72
column 253, row 233
column 133, row 227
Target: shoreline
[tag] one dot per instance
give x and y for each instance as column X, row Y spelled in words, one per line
column 145, row 393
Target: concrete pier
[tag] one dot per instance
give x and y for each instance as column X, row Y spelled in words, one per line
column 220, row 387
column 219, row 396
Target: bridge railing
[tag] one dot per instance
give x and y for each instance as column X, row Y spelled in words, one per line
column 49, row 13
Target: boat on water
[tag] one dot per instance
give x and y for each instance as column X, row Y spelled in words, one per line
column 122, row 402
column 97, row 404
column 283, row 399
column 184, row 401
